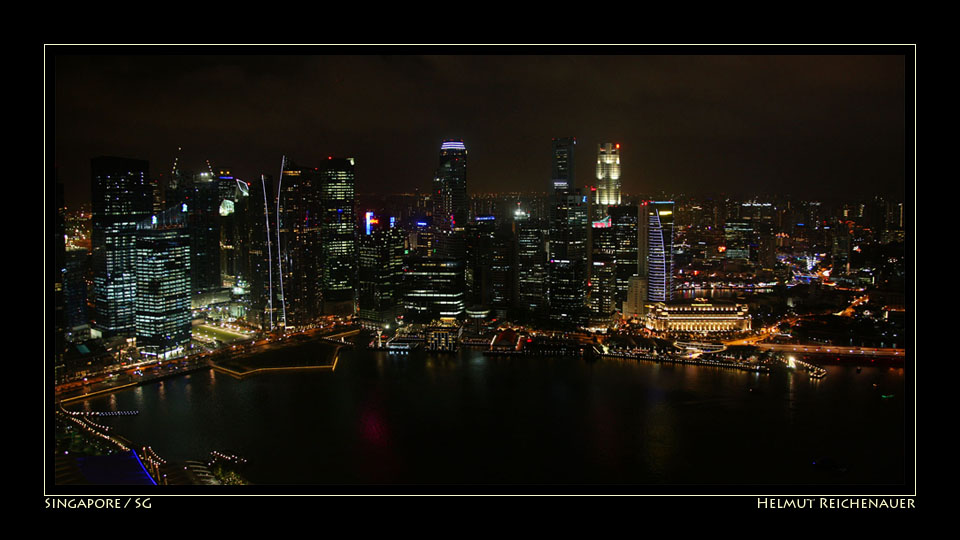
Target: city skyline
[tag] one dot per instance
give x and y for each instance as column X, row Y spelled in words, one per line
column 812, row 125
column 687, row 301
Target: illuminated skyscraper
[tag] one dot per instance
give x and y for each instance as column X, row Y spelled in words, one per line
column 433, row 289
column 562, row 170
column 608, row 174
column 531, row 264
column 625, row 220
column 602, row 284
column 203, row 203
column 450, row 186
column 163, row 284
column 567, row 266
column 297, row 227
column 568, row 242
column 121, row 197
column 380, row 270
column 339, row 236
column 659, row 251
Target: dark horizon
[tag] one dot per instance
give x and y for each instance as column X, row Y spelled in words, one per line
column 816, row 126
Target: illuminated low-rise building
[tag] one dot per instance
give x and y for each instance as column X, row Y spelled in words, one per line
column 699, row 315
column 443, row 335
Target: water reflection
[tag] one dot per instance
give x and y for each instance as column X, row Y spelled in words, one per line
column 418, row 419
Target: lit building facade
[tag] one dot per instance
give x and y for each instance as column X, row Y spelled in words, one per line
column 163, row 312
column 562, row 171
column 699, row 316
column 450, row 186
column 433, row 289
column 567, row 264
column 608, row 174
column 298, row 219
column 635, row 305
column 380, row 271
column 339, row 235
column 738, row 236
column 659, row 250
column 531, row 264
column 602, row 283
column 121, row 197
column 203, row 202
column 625, row 221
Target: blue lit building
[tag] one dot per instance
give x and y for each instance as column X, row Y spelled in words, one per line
column 659, row 251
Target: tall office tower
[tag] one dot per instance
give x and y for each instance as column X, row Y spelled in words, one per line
column 433, row 288
column 339, row 236
column 636, row 297
column 659, row 251
column 531, row 264
column 562, row 170
column 489, row 268
column 767, row 252
column 567, row 266
column 738, row 236
column 478, row 248
column 380, row 270
column 608, row 174
column 602, row 283
column 121, row 198
column 450, row 186
column 163, row 284
column 625, row 221
column 300, row 214
column 260, row 234
column 203, row 204
column 75, row 291
column 234, row 195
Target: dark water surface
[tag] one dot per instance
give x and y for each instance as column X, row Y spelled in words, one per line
column 472, row 419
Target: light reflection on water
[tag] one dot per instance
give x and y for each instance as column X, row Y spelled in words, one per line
column 467, row 418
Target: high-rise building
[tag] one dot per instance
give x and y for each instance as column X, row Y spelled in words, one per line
column 163, row 284
column 602, row 283
column 531, row 264
column 380, row 271
column 259, row 234
column 450, row 186
column 233, row 211
column 659, row 251
column 567, row 253
column 608, row 174
column 636, row 301
column 738, row 236
column 121, row 197
column 562, row 170
column 433, row 289
column 490, row 265
column 203, row 202
column 75, row 290
column 299, row 217
column 625, row 220
column 339, row 235
column 567, row 266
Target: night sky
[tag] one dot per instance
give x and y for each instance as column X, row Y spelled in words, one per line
column 819, row 126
